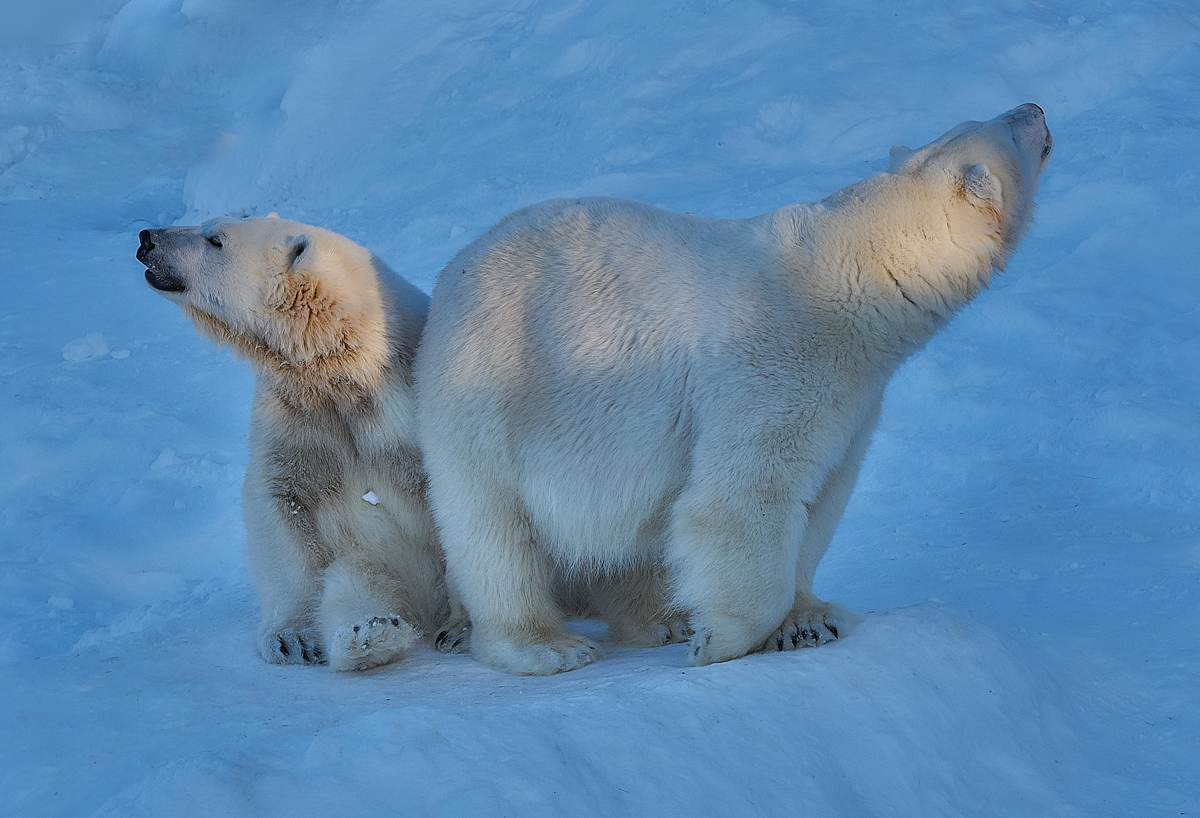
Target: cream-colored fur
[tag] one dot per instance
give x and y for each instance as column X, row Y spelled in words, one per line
column 331, row 333
column 605, row 386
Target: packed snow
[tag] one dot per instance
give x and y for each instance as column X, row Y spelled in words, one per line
column 1024, row 539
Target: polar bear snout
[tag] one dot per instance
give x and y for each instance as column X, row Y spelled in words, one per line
column 151, row 253
column 1030, row 115
column 1029, row 110
column 1028, row 122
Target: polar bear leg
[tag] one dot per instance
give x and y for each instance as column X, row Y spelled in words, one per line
column 635, row 605
column 289, row 643
column 287, row 634
column 288, row 583
column 360, row 617
column 454, row 634
column 812, row 622
column 732, row 570
column 506, row 583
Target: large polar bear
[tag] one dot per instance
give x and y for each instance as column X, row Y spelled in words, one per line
column 340, row 541
column 605, row 385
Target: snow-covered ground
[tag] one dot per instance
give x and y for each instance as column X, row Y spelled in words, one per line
column 1026, row 532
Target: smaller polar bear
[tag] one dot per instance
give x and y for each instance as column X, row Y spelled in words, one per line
column 340, row 541
column 605, row 385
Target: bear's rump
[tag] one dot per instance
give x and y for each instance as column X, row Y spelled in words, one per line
column 600, row 492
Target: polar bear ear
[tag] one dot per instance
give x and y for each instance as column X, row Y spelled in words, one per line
column 272, row 215
column 897, row 157
column 982, row 187
column 301, row 252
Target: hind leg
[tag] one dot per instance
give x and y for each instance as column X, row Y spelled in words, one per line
column 454, row 634
column 504, row 579
column 362, row 618
column 637, row 607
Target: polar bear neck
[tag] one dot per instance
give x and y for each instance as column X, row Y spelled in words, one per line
column 887, row 243
column 346, row 375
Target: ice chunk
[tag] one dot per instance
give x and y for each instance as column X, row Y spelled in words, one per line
column 85, row 348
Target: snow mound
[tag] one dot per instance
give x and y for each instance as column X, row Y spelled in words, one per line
column 918, row 713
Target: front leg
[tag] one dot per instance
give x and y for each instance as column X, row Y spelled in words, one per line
column 811, row 621
column 728, row 553
column 286, row 558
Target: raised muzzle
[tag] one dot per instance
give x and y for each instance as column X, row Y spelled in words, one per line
column 1028, row 122
column 158, row 273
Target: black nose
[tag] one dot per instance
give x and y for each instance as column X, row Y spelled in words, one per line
column 146, row 241
column 1026, row 111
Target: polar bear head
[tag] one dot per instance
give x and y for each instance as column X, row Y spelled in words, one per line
column 945, row 217
column 294, row 299
column 992, row 170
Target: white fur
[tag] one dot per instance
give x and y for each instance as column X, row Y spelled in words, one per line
column 331, row 333
column 604, row 385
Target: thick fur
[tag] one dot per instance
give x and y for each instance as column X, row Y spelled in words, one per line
column 605, row 386
column 331, row 334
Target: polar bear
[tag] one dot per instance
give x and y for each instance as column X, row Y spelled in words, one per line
column 340, row 541
column 603, row 384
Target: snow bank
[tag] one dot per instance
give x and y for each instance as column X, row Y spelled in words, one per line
column 948, row 721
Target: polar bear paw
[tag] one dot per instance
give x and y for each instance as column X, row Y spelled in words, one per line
column 541, row 658
column 668, row 631
column 807, row 626
column 371, row 643
column 453, row 637
column 290, row 646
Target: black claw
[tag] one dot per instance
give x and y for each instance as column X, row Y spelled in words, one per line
column 457, row 642
column 441, row 638
column 832, row 629
column 395, row 621
column 356, row 628
column 795, row 638
column 283, row 648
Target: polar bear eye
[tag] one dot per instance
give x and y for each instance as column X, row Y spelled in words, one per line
column 214, row 240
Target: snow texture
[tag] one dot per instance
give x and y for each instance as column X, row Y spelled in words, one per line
column 1024, row 538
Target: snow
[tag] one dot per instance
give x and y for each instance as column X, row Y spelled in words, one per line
column 1024, row 538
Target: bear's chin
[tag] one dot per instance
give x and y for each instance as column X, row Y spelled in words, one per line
column 164, row 282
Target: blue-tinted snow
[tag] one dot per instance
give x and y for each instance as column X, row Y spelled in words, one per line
column 1025, row 531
